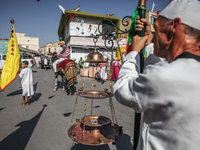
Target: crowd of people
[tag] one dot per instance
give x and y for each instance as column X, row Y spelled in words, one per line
column 107, row 70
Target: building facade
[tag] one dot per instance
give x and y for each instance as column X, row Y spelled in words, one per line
column 151, row 17
column 27, row 42
column 49, row 48
column 24, row 52
column 4, row 46
column 78, row 31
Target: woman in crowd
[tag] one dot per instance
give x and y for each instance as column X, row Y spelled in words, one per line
column 115, row 69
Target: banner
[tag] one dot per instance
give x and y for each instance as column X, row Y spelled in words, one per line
column 122, row 47
column 12, row 63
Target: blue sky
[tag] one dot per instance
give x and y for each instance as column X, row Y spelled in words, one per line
column 41, row 19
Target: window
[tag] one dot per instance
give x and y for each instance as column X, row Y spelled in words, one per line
column 49, row 50
column 4, row 57
column 27, row 47
column 153, row 19
column 54, row 49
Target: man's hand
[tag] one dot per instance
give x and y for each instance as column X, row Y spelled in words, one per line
column 138, row 43
column 140, row 25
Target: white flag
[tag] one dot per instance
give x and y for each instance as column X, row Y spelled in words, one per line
column 63, row 10
column 153, row 7
column 82, row 21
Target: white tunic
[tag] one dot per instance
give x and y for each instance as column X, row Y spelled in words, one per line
column 37, row 60
column 168, row 94
column 27, row 82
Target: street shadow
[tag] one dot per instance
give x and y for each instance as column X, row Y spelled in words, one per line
column 50, row 97
column 20, row 138
column 124, row 142
column 35, row 98
column 33, row 71
column 97, row 106
column 87, row 147
column 15, row 93
column 75, row 91
column 20, row 90
column 67, row 114
column 1, row 109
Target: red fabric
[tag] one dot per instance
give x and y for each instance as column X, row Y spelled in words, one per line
column 146, row 0
column 65, row 54
column 128, row 50
column 103, row 64
column 68, row 68
column 157, row 13
column 72, row 16
column 115, row 70
column 90, row 27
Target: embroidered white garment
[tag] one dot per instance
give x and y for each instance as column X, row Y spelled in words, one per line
column 27, row 82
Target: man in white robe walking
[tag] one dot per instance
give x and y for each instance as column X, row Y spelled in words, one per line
column 27, row 82
column 167, row 93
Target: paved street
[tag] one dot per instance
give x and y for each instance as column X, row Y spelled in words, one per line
column 44, row 124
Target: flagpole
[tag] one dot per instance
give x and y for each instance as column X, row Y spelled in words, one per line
column 137, row 124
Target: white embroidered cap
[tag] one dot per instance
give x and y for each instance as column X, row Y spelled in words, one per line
column 187, row 10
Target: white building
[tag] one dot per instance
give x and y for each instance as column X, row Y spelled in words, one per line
column 49, row 48
column 31, row 43
column 77, row 31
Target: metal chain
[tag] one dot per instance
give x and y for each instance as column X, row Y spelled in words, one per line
column 84, row 119
column 91, row 106
column 83, row 79
column 112, row 106
column 92, row 83
column 76, row 101
column 113, row 110
column 112, row 116
column 111, row 102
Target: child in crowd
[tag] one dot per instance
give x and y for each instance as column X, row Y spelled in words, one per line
column 27, row 82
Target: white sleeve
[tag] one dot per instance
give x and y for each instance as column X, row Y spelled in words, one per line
column 21, row 73
column 123, row 89
column 136, row 90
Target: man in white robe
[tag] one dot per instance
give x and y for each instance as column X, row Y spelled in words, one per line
column 167, row 93
column 60, row 59
column 27, row 82
column 37, row 60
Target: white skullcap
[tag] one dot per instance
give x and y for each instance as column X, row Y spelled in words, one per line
column 187, row 10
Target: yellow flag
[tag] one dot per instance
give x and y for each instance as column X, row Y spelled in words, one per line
column 12, row 63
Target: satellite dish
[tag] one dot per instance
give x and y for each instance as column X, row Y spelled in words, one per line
column 110, row 14
column 77, row 8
